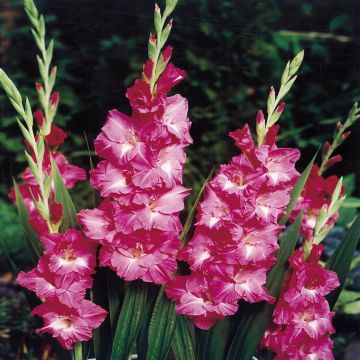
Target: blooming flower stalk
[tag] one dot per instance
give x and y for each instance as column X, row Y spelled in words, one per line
column 236, row 232
column 302, row 320
column 140, row 176
column 63, row 273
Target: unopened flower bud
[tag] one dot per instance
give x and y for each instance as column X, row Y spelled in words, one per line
column 272, row 92
column 54, row 99
column 147, row 70
column 56, row 213
column 152, row 39
column 280, row 108
column 39, row 87
column 334, row 160
column 345, row 135
column 39, row 118
column 166, row 54
column 260, row 126
column 339, row 125
column 327, row 147
column 260, row 119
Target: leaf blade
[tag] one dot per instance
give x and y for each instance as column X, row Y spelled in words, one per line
column 63, row 197
column 183, row 344
column 162, row 327
column 129, row 320
column 340, row 261
column 296, row 192
column 212, row 345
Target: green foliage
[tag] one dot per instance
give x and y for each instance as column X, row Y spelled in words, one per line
column 13, row 246
column 62, row 196
column 129, row 321
column 296, row 192
column 161, row 328
column 340, row 261
column 348, row 302
column 182, row 343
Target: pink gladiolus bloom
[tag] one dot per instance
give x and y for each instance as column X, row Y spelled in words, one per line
column 279, row 163
column 167, row 169
column 61, row 279
column 270, row 206
column 122, row 140
column 175, row 118
column 56, row 137
column 109, row 179
column 158, row 211
column 170, row 78
column 149, row 256
column 143, row 104
column 70, row 325
column 49, row 286
column 98, row 224
column 70, row 253
column 198, row 298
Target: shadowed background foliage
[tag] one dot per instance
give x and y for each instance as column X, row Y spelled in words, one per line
column 232, row 51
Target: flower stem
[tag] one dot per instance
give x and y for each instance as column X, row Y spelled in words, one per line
column 77, row 352
column 340, row 135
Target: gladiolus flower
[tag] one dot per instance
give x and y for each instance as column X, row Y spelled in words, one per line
column 70, row 325
column 56, row 137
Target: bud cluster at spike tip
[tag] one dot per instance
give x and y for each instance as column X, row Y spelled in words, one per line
column 236, row 233
column 302, row 320
column 140, row 179
column 70, row 174
column 60, row 280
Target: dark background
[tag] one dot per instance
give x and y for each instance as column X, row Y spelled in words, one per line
column 232, row 51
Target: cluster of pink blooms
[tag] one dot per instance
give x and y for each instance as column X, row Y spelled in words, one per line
column 60, row 280
column 236, row 232
column 316, row 193
column 140, row 178
column 302, row 320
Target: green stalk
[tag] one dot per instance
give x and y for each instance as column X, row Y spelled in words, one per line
column 77, row 352
column 339, row 136
column 44, row 62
